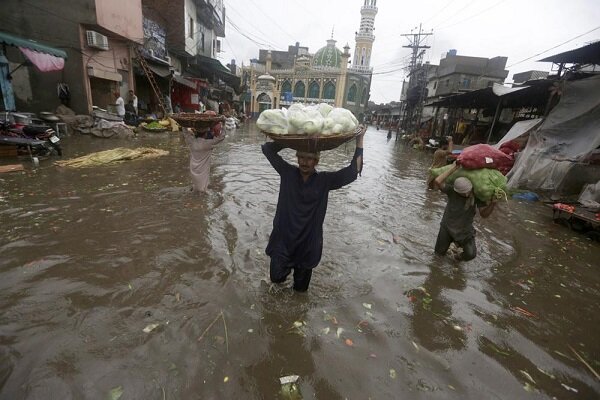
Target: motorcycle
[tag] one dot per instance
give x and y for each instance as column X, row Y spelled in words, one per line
column 39, row 139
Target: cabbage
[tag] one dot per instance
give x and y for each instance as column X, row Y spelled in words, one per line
column 325, row 109
column 310, row 120
column 274, row 121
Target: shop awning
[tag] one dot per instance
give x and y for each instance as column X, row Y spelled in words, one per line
column 182, row 81
column 535, row 93
column 12, row 40
column 589, row 54
column 159, row 70
column 207, row 66
column 98, row 73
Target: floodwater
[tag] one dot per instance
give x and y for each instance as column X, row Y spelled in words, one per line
column 89, row 258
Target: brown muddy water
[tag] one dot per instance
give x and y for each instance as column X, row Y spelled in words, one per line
column 90, row 258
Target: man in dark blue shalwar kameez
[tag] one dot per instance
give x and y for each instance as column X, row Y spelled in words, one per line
column 296, row 242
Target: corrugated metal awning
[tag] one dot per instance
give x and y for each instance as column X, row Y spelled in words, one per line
column 12, row 40
column 182, row 81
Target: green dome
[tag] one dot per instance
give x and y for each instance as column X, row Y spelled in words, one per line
column 328, row 56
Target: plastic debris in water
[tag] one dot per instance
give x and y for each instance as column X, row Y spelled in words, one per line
column 367, row 306
column 289, row 388
column 150, row 328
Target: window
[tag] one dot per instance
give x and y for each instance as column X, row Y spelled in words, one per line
column 364, row 97
column 300, row 89
column 191, row 30
column 352, row 93
column 313, row 90
column 467, row 83
column 329, row 91
column 202, row 38
column 286, row 87
column 434, row 85
column 447, row 82
column 490, row 83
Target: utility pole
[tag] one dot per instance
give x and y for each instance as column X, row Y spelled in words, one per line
column 417, row 83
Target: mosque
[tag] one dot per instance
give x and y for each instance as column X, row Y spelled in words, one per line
column 279, row 78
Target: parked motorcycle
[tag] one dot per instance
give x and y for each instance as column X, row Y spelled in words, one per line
column 34, row 135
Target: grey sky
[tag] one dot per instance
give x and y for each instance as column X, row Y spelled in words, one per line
column 517, row 29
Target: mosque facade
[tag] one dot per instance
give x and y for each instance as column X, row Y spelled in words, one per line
column 279, row 78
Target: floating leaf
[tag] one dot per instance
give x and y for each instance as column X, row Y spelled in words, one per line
column 367, row 306
column 150, row 328
column 115, row 393
column 451, row 387
column 250, row 330
column 226, row 379
column 457, row 328
column 415, row 345
column 526, row 375
column 569, row 388
column 298, row 324
column 393, row 373
column 339, row 332
column 325, row 331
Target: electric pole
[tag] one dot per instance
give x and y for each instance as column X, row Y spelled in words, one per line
column 417, row 82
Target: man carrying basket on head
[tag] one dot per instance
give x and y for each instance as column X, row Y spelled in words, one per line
column 296, row 242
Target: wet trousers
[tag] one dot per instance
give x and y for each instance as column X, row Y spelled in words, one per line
column 445, row 239
column 281, row 268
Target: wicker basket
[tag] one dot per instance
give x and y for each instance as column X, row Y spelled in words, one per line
column 313, row 143
column 197, row 121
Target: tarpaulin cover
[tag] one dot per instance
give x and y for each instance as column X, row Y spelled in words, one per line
column 44, row 62
column 518, row 129
column 567, row 136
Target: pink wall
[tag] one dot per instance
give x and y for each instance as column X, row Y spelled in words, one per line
column 123, row 17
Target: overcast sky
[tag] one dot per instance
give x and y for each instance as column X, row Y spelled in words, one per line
column 517, row 29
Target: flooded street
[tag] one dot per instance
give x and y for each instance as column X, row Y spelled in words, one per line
column 89, row 258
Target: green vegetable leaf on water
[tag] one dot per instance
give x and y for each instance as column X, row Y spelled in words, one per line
column 115, row 393
column 393, row 373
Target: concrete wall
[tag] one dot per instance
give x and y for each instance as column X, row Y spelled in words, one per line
column 121, row 17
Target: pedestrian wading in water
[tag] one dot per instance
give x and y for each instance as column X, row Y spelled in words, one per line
column 457, row 222
column 296, row 242
column 201, row 144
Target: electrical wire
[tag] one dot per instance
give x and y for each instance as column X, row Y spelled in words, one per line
column 452, row 16
column 554, row 47
column 472, row 16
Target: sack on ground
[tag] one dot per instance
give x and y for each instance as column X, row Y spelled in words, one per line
column 488, row 184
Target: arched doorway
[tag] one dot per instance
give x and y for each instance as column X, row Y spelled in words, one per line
column 264, row 102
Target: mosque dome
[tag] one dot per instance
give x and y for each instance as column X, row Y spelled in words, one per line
column 266, row 77
column 328, row 56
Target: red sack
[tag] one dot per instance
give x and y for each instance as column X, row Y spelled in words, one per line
column 485, row 156
column 510, row 147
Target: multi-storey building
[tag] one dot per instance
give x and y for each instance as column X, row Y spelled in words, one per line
column 179, row 39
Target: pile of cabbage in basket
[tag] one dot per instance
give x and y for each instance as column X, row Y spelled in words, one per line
column 321, row 119
column 487, row 183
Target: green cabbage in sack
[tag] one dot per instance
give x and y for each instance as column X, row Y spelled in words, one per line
column 487, row 183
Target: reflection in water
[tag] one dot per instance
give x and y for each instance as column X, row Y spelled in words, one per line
column 89, row 258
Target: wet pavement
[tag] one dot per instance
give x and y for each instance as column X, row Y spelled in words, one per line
column 90, row 258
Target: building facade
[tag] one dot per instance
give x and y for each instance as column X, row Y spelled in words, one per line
column 278, row 79
column 178, row 39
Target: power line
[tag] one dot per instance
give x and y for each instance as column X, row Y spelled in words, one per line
column 554, row 47
column 472, row 16
column 439, row 11
column 452, row 16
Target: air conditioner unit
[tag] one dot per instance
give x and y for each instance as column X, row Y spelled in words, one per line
column 97, row 40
